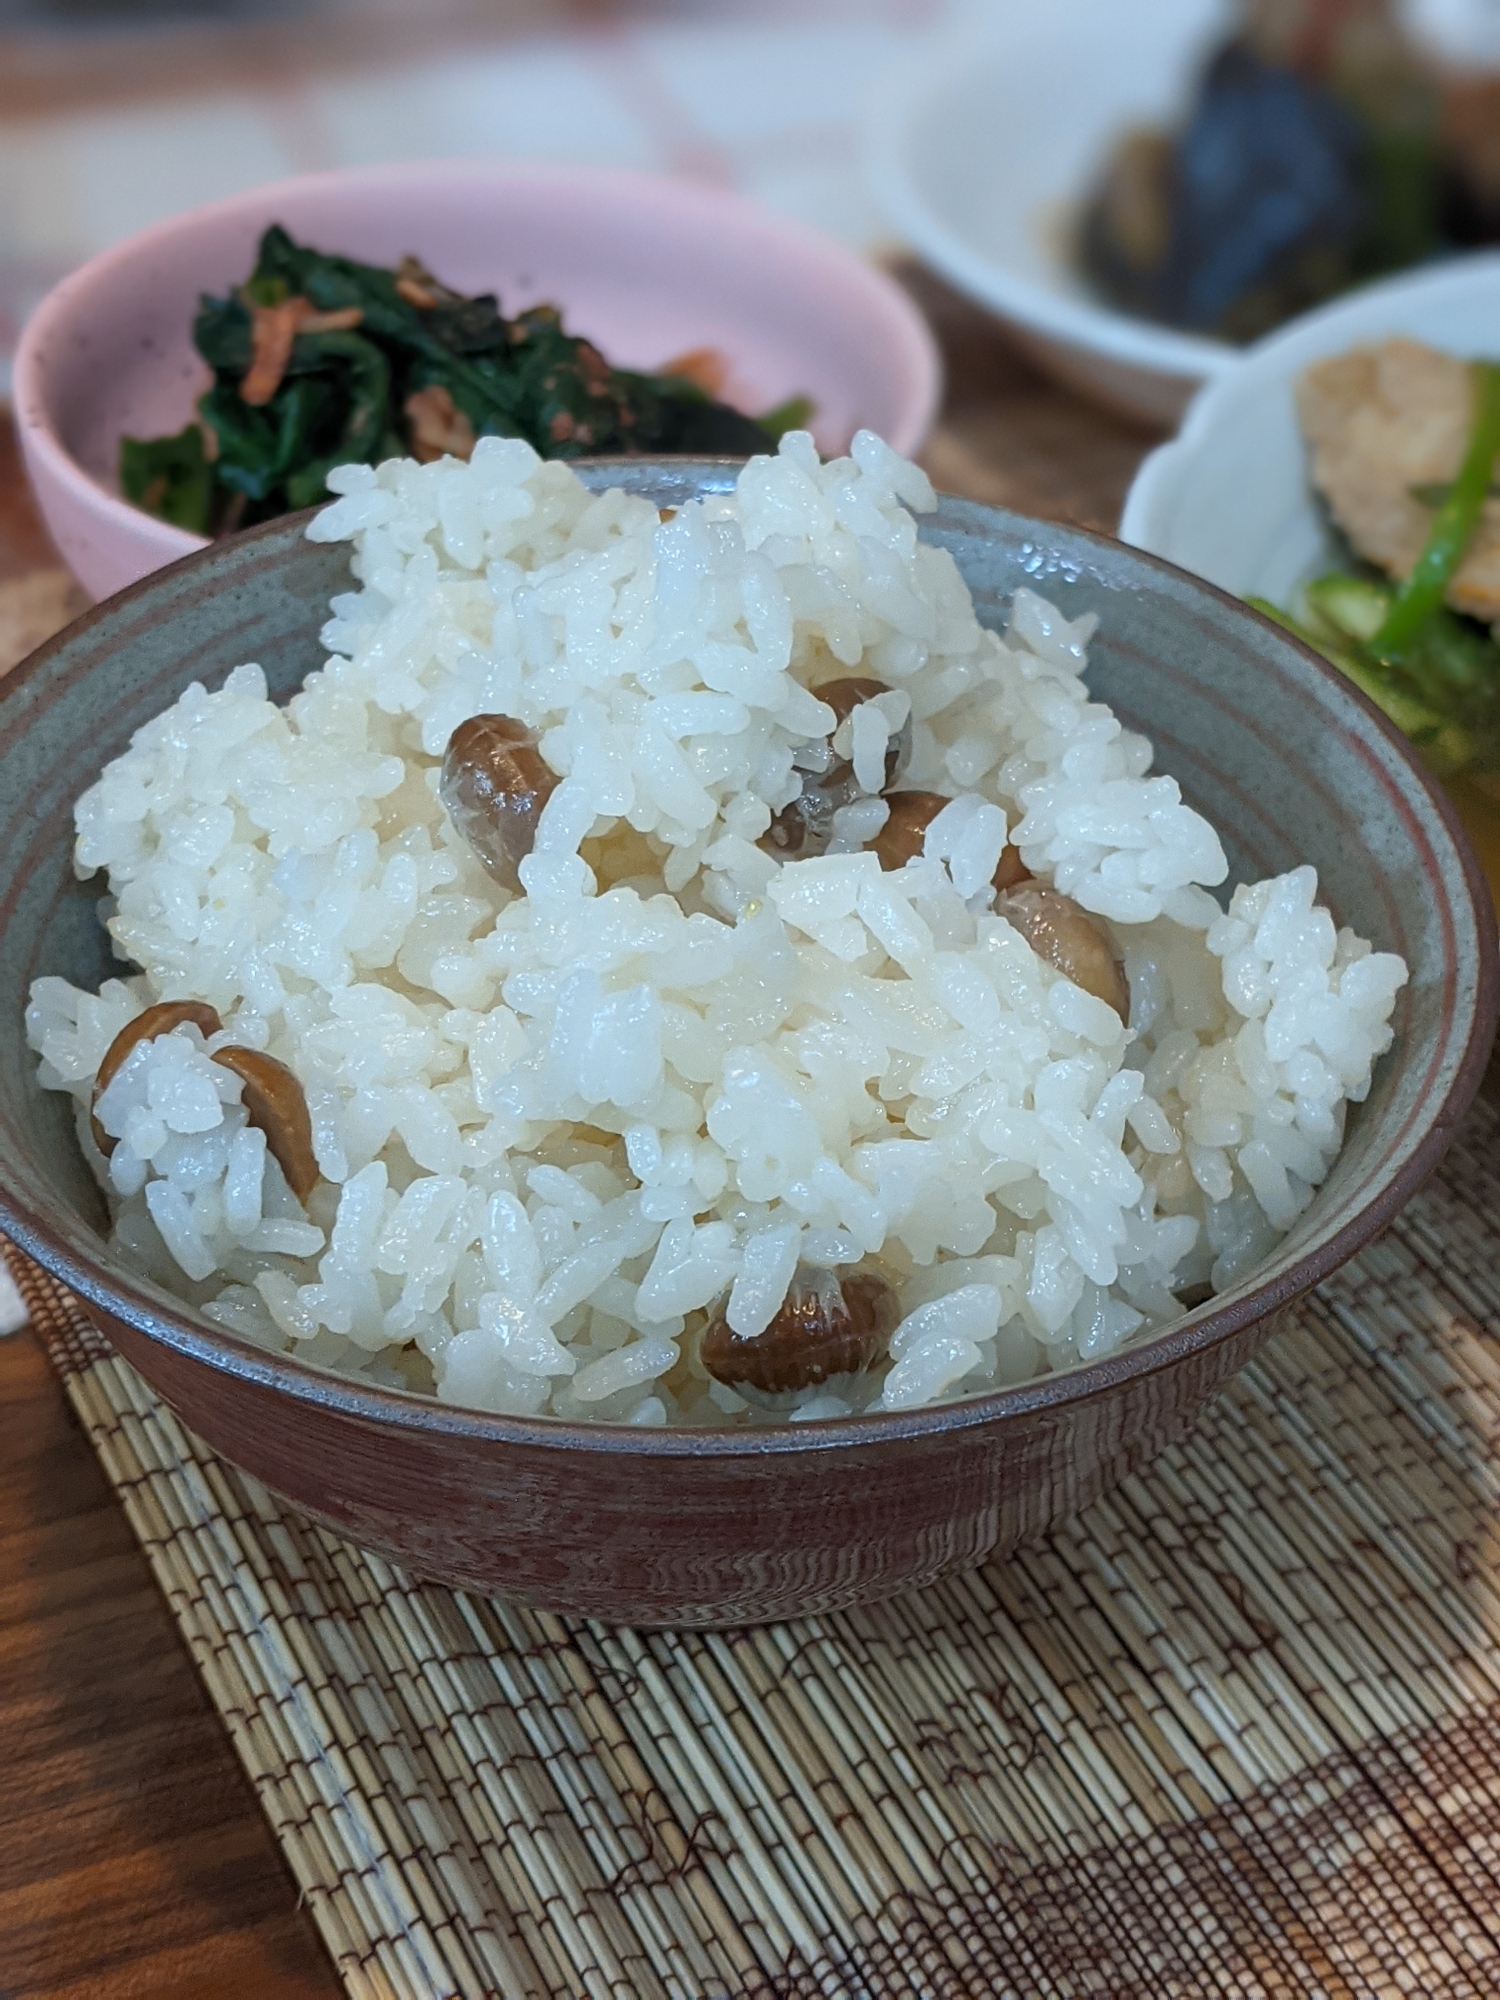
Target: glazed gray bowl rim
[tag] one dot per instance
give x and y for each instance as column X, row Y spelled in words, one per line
column 1197, row 1331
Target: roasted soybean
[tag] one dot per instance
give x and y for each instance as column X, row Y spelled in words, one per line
column 494, row 785
column 827, row 1325
column 1067, row 937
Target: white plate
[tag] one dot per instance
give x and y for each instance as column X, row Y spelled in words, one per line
column 1229, row 497
column 982, row 157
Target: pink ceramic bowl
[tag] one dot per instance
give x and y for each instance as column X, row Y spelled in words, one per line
column 648, row 268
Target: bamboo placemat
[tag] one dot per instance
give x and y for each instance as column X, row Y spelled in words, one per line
column 1235, row 1731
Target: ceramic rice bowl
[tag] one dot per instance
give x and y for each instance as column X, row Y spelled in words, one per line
column 698, row 1528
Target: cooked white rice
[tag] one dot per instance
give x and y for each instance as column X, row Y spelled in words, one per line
column 556, row 1130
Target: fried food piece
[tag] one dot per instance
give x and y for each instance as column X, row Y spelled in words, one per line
column 1382, row 421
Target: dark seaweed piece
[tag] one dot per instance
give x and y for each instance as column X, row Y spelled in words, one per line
column 331, row 394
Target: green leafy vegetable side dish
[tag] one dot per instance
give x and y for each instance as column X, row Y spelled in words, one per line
column 321, row 361
column 1434, row 672
column 169, row 476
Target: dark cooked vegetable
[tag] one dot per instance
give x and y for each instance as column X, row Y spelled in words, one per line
column 320, row 361
column 1311, row 158
column 1255, row 211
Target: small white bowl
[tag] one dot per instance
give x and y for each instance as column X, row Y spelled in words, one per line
column 647, row 267
column 983, row 156
column 1229, row 497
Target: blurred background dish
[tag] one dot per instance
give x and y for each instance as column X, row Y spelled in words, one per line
column 1230, row 498
column 116, row 114
column 1137, row 190
column 646, row 267
column 982, row 158
column 1323, row 143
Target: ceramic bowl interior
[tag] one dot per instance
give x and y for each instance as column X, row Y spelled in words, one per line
column 648, row 267
column 1264, row 738
column 983, row 155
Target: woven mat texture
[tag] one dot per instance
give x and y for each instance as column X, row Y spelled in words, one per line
column 1235, row 1731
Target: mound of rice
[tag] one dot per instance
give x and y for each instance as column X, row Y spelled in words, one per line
column 557, row 1129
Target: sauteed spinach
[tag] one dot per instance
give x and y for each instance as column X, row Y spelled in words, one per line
column 320, row 360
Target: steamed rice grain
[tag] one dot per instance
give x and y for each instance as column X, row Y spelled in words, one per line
column 557, row 1130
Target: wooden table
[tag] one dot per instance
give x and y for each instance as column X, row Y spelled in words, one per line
column 134, row 1860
